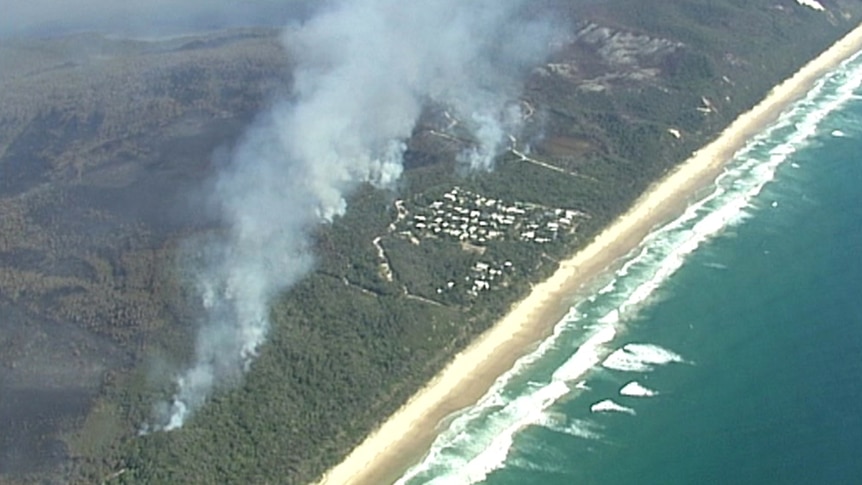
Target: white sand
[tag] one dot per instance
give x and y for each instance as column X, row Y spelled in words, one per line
column 406, row 435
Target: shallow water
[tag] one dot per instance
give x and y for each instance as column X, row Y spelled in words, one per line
column 726, row 349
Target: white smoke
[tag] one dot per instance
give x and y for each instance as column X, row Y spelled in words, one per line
column 364, row 71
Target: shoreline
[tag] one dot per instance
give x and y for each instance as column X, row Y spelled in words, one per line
column 404, row 437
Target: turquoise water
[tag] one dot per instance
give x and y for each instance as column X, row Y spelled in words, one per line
column 727, row 349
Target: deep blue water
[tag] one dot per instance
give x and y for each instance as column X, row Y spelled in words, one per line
column 727, row 349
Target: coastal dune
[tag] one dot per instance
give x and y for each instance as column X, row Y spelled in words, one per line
column 405, row 436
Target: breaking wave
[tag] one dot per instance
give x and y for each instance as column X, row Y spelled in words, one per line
column 479, row 441
column 611, row 406
column 640, row 358
column 636, row 389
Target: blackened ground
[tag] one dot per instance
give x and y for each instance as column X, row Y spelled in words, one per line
column 30, row 419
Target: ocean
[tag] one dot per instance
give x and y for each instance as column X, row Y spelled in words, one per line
column 726, row 349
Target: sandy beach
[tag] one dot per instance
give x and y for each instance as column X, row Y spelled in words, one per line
column 403, row 438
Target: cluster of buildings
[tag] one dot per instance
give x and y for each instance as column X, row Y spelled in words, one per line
column 474, row 221
column 469, row 217
column 479, row 278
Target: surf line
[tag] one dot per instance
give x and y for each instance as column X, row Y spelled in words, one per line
column 388, row 451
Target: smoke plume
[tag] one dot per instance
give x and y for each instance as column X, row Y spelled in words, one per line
column 364, row 71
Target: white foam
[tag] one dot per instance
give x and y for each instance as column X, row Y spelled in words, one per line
column 577, row 428
column 551, row 462
column 611, row 317
column 640, row 358
column 636, row 389
column 622, row 361
column 586, row 357
column 494, row 445
column 502, row 419
column 667, row 248
column 838, row 133
column 611, row 406
column 478, row 441
column 813, row 4
column 528, row 410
